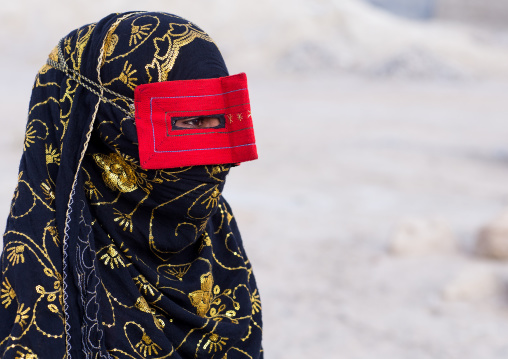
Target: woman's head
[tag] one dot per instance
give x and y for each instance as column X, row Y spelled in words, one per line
column 113, row 57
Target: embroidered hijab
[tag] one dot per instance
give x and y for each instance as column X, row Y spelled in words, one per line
column 101, row 258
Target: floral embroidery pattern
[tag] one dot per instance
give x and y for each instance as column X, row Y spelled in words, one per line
column 118, row 174
column 146, row 346
column 113, row 258
column 21, row 315
column 214, row 343
column 8, row 294
column 15, row 254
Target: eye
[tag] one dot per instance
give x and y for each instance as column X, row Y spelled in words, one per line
column 192, row 123
column 196, row 122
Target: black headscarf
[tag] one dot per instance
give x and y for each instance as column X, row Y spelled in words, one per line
column 101, row 258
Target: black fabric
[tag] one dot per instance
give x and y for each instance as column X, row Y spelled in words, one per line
column 101, row 258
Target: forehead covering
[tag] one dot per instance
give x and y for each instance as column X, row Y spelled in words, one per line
column 103, row 259
column 154, row 47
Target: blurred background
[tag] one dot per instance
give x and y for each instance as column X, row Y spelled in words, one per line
column 376, row 216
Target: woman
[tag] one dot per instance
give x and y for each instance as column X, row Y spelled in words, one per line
column 119, row 243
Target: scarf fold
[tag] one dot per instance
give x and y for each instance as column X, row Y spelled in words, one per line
column 103, row 259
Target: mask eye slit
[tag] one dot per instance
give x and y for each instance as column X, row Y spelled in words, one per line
column 198, row 122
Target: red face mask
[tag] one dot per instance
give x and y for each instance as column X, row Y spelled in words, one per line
column 194, row 122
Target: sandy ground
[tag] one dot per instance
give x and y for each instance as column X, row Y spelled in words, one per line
column 344, row 160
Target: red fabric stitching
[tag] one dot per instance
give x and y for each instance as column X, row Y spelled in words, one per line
column 161, row 149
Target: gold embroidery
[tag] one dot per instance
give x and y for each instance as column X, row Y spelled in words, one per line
column 126, row 74
column 117, row 174
column 25, row 356
column 110, row 45
column 201, row 299
column 113, row 28
column 256, row 302
column 177, row 271
column 206, row 241
column 215, row 342
column 81, row 44
column 215, row 170
column 137, row 33
column 41, row 104
column 239, row 117
column 30, row 134
column 124, row 220
column 53, row 232
column 146, row 345
column 143, row 306
column 213, row 199
column 67, row 45
column 52, row 156
column 8, row 293
column 219, row 169
column 21, row 315
column 112, row 257
column 91, row 190
column 144, row 285
column 224, row 215
column 53, row 56
column 48, row 191
column 229, row 216
column 211, row 203
column 168, row 48
column 40, row 289
column 15, row 255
